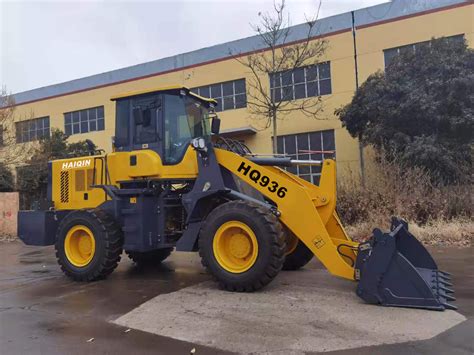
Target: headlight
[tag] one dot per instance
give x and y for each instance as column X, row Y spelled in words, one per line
column 198, row 143
column 202, row 143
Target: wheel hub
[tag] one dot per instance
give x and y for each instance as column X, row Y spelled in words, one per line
column 235, row 247
column 240, row 245
column 79, row 245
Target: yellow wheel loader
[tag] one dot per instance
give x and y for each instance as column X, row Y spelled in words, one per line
column 172, row 182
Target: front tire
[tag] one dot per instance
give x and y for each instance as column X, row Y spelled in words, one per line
column 242, row 245
column 88, row 245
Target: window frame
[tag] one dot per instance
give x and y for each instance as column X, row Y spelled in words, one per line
column 309, row 173
column 81, row 118
column 221, row 98
column 279, row 89
column 24, row 132
column 412, row 47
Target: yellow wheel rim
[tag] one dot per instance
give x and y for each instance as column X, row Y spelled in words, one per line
column 79, row 245
column 291, row 243
column 235, row 247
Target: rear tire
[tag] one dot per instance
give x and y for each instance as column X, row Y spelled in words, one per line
column 148, row 258
column 297, row 254
column 88, row 245
column 242, row 246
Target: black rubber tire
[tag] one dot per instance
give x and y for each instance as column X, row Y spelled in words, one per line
column 153, row 257
column 270, row 239
column 298, row 257
column 108, row 245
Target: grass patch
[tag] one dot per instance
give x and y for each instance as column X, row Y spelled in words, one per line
column 436, row 214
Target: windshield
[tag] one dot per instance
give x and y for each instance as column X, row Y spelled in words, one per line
column 185, row 118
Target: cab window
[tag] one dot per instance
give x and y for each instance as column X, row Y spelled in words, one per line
column 145, row 119
column 185, row 118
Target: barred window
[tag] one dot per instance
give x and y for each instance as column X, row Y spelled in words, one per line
column 318, row 145
column 83, row 121
column 229, row 95
column 303, row 82
column 32, row 130
column 391, row 53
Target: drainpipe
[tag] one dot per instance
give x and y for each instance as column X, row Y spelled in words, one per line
column 356, row 68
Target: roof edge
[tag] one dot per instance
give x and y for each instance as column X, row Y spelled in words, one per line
column 365, row 17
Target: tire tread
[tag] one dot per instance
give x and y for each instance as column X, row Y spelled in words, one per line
column 113, row 241
column 275, row 232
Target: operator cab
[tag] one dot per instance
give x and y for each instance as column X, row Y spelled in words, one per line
column 164, row 120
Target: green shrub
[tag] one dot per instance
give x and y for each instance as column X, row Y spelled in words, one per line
column 7, row 183
column 420, row 110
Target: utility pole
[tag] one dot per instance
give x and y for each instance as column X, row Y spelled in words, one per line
column 361, row 147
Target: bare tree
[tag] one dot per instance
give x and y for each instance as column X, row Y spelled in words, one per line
column 11, row 153
column 280, row 54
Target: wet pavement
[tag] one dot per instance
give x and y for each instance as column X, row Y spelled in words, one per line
column 41, row 311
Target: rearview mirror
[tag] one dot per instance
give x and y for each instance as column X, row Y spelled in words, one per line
column 215, row 125
column 137, row 116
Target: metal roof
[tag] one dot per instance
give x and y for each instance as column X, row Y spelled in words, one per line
column 325, row 26
column 163, row 88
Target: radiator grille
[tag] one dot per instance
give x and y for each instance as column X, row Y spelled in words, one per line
column 64, row 186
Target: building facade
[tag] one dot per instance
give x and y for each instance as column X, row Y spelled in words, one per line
column 82, row 107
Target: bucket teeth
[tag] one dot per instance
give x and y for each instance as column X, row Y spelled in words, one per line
column 449, row 306
column 445, row 283
column 450, row 298
column 441, row 291
column 444, row 278
column 443, row 275
column 443, row 294
column 447, row 290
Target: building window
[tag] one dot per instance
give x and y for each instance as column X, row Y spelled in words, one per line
column 83, row 121
column 313, row 80
column 229, row 95
column 308, row 146
column 391, row 53
column 32, row 130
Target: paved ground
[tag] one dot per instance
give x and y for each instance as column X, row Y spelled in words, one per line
column 297, row 313
column 42, row 312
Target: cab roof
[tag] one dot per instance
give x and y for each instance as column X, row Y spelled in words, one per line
column 163, row 89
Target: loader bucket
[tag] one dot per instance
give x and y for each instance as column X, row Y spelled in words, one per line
column 395, row 269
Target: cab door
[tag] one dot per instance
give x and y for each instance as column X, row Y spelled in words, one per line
column 145, row 116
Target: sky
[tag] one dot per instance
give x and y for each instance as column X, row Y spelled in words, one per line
column 48, row 42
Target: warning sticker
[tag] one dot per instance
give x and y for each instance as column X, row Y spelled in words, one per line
column 318, row 242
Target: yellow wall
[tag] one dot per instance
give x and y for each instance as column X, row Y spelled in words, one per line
column 371, row 42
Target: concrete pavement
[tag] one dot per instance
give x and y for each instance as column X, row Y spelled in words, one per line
column 43, row 312
column 307, row 310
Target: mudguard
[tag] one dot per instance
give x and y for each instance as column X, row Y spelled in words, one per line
column 395, row 269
